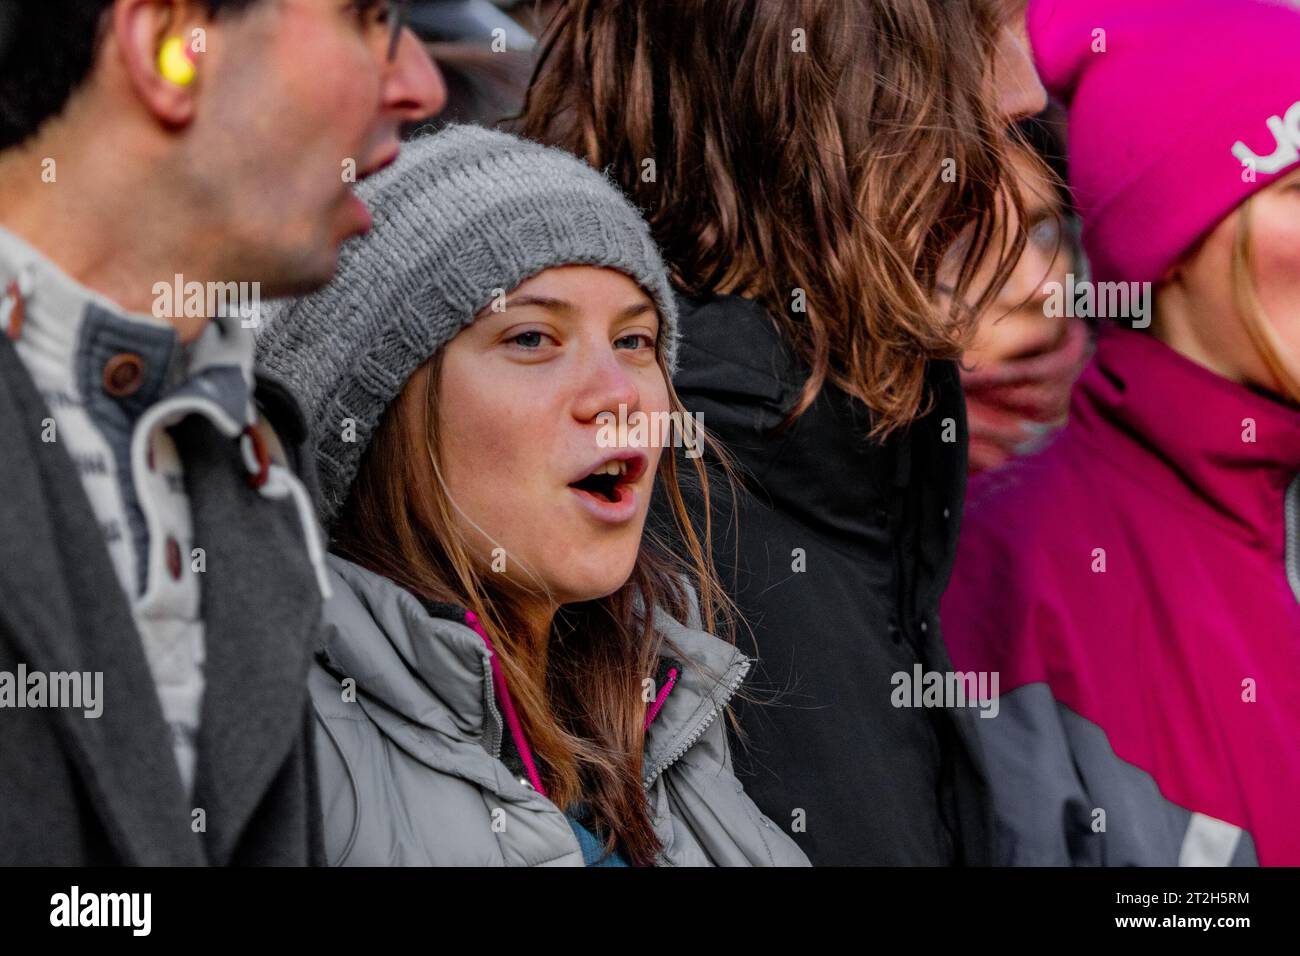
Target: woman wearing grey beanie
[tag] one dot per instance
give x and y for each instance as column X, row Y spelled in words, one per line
column 488, row 381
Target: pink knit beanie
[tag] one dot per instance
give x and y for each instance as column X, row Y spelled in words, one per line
column 1193, row 106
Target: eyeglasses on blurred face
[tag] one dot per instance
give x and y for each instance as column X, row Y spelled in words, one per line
column 383, row 19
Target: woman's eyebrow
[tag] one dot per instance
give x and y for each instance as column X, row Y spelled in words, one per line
column 547, row 302
column 566, row 308
column 636, row 309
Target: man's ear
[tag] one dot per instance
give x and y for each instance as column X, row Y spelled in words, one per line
column 142, row 30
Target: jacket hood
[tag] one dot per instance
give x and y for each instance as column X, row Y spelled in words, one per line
column 1234, row 448
column 435, row 672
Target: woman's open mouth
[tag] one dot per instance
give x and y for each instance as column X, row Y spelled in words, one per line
column 608, row 491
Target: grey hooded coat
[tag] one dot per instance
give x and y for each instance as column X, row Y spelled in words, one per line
column 409, row 739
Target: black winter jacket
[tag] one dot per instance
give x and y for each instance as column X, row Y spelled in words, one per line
column 839, row 552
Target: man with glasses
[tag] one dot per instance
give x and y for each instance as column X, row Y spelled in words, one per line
column 159, row 564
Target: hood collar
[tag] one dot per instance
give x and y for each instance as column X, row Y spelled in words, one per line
column 435, row 671
column 1199, row 425
column 430, row 670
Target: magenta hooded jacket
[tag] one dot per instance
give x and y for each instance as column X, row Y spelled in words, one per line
column 1136, row 589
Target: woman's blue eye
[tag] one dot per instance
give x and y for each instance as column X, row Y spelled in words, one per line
column 529, row 340
column 637, row 339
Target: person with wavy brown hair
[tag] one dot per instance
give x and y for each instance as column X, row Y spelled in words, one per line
column 810, row 170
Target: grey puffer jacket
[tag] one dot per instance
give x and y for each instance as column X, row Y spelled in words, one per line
column 409, row 754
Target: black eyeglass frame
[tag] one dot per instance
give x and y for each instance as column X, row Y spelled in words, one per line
column 398, row 13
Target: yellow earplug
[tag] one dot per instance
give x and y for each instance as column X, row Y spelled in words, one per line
column 176, row 62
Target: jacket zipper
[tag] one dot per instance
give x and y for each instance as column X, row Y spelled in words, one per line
column 1292, row 512
column 534, row 779
column 661, row 699
column 700, row 728
column 497, row 729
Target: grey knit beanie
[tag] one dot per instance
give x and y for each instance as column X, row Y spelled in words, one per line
column 462, row 215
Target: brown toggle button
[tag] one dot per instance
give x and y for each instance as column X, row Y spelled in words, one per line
column 17, row 311
column 174, row 559
column 257, row 461
column 123, row 374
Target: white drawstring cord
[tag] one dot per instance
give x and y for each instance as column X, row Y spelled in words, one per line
column 281, row 482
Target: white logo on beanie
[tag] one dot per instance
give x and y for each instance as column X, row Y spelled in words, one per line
column 1286, row 132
